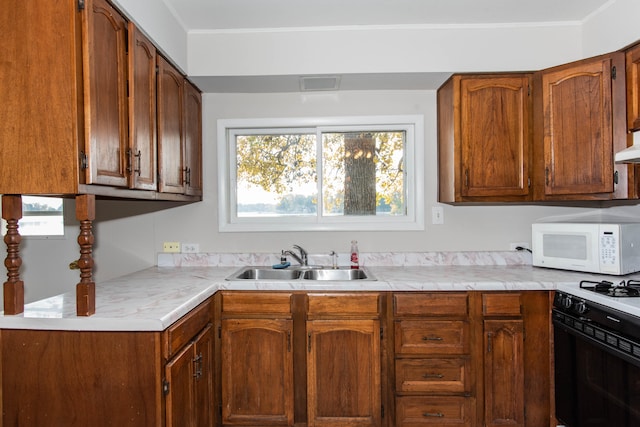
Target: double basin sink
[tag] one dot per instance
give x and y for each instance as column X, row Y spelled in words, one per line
column 307, row 274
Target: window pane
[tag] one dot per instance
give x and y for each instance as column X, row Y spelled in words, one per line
column 363, row 173
column 41, row 216
column 276, row 175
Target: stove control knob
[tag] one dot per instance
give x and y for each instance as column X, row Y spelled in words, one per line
column 567, row 302
column 581, row 307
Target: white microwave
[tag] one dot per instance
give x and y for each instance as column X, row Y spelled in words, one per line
column 606, row 248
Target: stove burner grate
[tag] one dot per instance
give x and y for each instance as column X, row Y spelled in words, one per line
column 628, row 288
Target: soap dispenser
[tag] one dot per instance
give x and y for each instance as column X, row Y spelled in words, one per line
column 355, row 259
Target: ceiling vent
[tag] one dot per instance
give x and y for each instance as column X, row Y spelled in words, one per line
column 318, row 83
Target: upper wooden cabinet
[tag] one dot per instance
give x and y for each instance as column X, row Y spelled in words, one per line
column 484, row 138
column 142, row 154
column 79, row 90
column 580, row 125
column 179, row 132
column 633, row 87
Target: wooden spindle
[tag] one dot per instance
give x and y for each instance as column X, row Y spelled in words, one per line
column 86, row 289
column 13, row 291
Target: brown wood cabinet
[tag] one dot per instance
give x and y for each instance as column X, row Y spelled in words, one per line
column 632, row 56
column 485, row 138
column 143, row 151
column 188, row 380
column 179, row 132
column 323, row 364
column 85, row 378
column 343, row 364
column 503, row 360
column 257, row 359
column 82, row 103
column 433, row 376
column 580, row 125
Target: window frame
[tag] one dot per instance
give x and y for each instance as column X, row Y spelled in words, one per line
column 25, row 213
column 413, row 125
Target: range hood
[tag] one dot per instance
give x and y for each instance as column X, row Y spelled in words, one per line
column 630, row 154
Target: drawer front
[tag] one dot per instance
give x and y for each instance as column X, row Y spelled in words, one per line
column 185, row 329
column 256, row 303
column 507, row 304
column 433, row 375
column 432, row 337
column 344, row 304
column 450, row 411
column 432, row 304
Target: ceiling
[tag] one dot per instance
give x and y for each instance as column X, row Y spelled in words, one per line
column 246, row 15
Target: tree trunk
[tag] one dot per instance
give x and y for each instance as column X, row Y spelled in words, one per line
column 360, row 174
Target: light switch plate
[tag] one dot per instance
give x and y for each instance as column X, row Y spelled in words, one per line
column 437, row 215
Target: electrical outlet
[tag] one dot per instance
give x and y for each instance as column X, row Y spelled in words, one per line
column 437, row 215
column 171, row 247
column 513, row 246
column 190, row 248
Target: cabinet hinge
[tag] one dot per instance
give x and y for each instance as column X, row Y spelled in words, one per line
column 382, row 411
column 80, row 5
column 616, row 177
column 165, row 387
column 219, row 331
column 614, row 72
column 84, row 164
column 381, row 333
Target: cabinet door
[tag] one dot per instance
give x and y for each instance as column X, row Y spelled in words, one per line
column 343, row 373
column 104, row 33
column 633, row 88
column 578, row 128
column 180, row 399
column 142, row 155
column 257, row 372
column 170, row 128
column 495, row 134
column 203, row 411
column 503, row 373
column 193, row 139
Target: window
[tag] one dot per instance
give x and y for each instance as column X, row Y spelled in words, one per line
column 359, row 173
column 41, row 216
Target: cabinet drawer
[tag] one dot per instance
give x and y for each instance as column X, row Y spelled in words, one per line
column 450, row 304
column 433, row 375
column 360, row 304
column 185, row 329
column 412, row 411
column 256, row 303
column 432, row 337
column 502, row 304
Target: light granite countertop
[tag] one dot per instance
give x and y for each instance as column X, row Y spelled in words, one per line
column 153, row 299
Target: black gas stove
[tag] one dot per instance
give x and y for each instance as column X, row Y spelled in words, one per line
column 597, row 355
column 625, row 288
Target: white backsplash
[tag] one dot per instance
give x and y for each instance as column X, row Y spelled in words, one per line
column 396, row 259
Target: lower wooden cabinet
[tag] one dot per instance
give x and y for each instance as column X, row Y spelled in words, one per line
column 417, row 411
column 257, row 372
column 188, row 384
column 300, row 359
column 96, row 378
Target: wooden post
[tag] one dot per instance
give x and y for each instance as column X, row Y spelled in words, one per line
column 13, row 287
column 86, row 289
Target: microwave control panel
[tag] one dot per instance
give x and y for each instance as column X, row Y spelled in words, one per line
column 609, row 248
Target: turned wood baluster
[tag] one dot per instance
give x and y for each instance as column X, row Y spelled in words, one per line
column 13, row 287
column 86, row 289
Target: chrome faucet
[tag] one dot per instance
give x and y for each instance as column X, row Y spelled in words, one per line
column 303, row 259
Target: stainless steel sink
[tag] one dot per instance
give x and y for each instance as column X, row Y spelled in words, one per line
column 289, row 274
column 335, row 275
column 265, row 273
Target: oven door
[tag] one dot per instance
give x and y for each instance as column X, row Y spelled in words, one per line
column 595, row 387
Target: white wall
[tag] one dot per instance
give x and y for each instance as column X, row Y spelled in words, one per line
column 130, row 233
